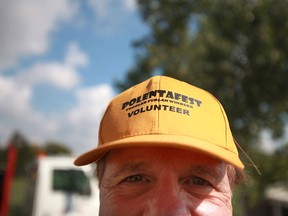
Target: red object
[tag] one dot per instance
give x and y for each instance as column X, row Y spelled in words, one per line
column 41, row 154
column 9, row 174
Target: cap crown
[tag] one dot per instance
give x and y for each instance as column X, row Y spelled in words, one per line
column 166, row 112
column 163, row 105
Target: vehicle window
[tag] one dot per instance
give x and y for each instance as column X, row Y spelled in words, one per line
column 71, row 181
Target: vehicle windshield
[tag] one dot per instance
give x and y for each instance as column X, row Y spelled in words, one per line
column 71, row 181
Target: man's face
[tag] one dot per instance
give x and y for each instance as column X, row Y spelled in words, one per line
column 154, row 181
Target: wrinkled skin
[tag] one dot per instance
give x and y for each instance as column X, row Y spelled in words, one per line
column 153, row 181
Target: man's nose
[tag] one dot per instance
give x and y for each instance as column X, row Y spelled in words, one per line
column 168, row 199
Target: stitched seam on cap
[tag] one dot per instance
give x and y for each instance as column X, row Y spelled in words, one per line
column 100, row 136
column 225, row 122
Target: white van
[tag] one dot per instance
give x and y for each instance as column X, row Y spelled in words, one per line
column 58, row 188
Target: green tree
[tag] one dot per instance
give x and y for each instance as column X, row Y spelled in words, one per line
column 237, row 50
column 28, row 152
column 56, row 148
column 25, row 153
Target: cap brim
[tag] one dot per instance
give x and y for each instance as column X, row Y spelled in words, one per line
column 172, row 141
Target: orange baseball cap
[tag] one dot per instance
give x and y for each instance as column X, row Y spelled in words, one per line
column 165, row 112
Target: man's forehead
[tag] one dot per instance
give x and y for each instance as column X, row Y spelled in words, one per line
column 140, row 158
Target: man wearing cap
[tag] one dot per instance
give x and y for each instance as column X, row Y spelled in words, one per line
column 165, row 149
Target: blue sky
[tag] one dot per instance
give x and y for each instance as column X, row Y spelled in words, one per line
column 58, row 63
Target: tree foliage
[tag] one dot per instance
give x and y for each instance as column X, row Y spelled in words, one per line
column 56, row 148
column 28, row 152
column 237, row 50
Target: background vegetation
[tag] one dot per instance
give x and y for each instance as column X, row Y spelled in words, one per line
column 237, row 50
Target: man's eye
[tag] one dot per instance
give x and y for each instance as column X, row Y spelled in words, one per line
column 134, row 179
column 195, row 180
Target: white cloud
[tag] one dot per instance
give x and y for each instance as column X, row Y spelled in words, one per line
column 14, row 99
column 26, row 27
column 77, row 127
column 92, row 102
column 105, row 8
column 62, row 75
column 17, row 114
column 130, row 5
column 80, row 127
column 55, row 74
column 75, row 56
column 268, row 144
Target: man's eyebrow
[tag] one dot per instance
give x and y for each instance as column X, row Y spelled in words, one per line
column 130, row 167
column 213, row 173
